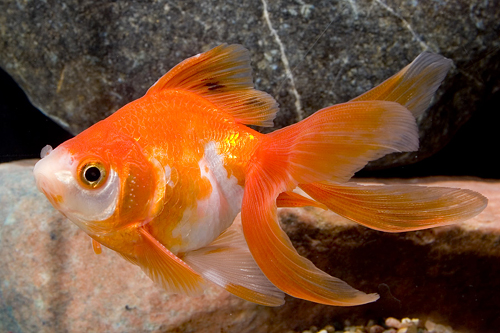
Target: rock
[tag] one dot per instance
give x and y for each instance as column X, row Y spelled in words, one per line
column 78, row 61
column 52, row 281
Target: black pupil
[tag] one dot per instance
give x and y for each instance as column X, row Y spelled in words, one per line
column 92, row 174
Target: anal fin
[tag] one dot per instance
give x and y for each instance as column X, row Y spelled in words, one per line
column 228, row 263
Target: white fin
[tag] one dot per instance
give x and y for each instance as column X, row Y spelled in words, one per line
column 228, row 263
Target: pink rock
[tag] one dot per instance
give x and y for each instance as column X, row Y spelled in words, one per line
column 52, row 281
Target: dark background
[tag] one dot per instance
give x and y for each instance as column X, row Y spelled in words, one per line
column 474, row 151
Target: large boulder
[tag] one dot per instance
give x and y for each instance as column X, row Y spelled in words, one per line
column 51, row 281
column 79, row 61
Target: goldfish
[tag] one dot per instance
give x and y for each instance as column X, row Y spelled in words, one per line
column 161, row 180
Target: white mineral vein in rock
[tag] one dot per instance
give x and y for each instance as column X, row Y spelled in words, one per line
column 354, row 8
column 424, row 46
column 284, row 59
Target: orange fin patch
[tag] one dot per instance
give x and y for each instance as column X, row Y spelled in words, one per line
column 165, row 268
column 278, row 259
column 334, row 143
column 228, row 263
column 414, row 85
column 292, row 199
column 397, row 208
column 224, row 77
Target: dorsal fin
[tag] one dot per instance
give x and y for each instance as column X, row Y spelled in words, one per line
column 224, row 77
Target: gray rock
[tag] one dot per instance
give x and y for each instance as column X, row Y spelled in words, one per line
column 51, row 281
column 79, row 61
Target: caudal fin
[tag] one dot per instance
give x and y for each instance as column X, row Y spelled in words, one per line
column 337, row 141
column 331, row 144
column 398, row 208
column 278, row 259
column 414, row 85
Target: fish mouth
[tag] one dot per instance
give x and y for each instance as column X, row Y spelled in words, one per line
column 45, row 175
column 45, row 185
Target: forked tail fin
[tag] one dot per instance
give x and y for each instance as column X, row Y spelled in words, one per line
column 324, row 151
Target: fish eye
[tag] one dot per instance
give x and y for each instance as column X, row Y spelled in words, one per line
column 92, row 174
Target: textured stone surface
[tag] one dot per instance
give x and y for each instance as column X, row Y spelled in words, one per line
column 79, row 61
column 51, row 281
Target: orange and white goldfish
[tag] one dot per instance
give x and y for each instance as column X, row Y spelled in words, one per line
column 161, row 180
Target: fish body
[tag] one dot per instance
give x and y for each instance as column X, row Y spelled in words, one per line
column 161, row 180
column 200, row 179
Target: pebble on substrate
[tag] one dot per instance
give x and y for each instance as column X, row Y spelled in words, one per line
column 390, row 330
column 410, row 329
column 406, row 325
column 376, row 329
column 393, row 322
column 437, row 328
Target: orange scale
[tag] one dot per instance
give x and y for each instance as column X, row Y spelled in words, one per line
column 205, row 188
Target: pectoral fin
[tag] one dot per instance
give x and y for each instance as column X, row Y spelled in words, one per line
column 396, row 208
column 165, row 268
column 96, row 246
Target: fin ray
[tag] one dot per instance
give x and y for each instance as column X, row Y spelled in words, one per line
column 292, row 199
column 223, row 76
column 413, row 86
column 165, row 268
column 397, row 208
column 228, row 263
column 96, row 246
column 278, row 259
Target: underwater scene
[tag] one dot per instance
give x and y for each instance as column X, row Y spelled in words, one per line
column 252, row 166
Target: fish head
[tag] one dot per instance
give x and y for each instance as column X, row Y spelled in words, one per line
column 102, row 182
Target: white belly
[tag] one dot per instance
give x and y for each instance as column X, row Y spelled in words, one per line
column 201, row 225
